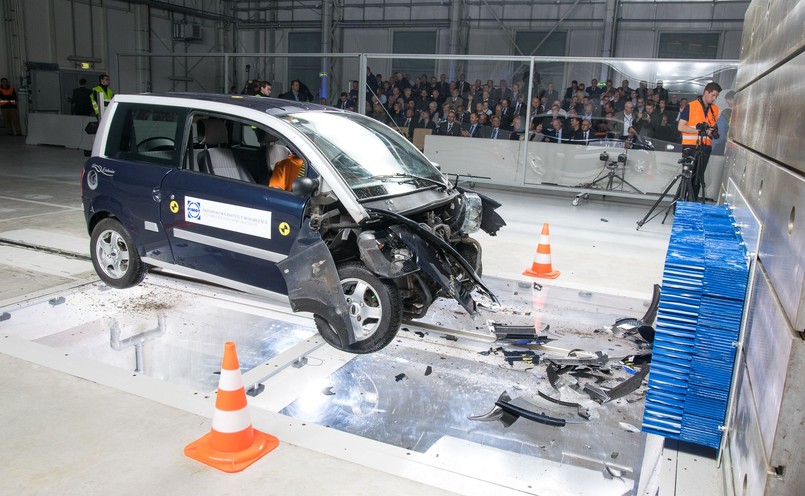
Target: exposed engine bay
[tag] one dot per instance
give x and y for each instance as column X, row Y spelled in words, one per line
column 424, row 252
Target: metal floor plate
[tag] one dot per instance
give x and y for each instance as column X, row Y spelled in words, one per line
column 416, row 394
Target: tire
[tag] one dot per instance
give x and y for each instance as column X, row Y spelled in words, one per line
column 114, row 256
column 379, row 311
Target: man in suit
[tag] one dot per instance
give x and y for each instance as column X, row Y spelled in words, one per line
column 298, row 92
column 81, row 101
column 424, row 121
column 495, row 132
column 450, row 127
column 571, row 91
column 472, row 129
column 519, row 107
column 551, row 94
column 343, row 101
column 594, row 91
column 408, row 122
column 423, row 101
column 516, row 128
column 443, row 86
column 584, row 135
column 455, row 100
column 557, row 134
column 462, row 86
column 462, row 115
column 624, row 120
column 503, row 91
column 506, row 113
column 661, row 92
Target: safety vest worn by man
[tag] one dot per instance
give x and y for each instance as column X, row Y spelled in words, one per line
column 107, row 97
column 695, row 116
column 8, row 99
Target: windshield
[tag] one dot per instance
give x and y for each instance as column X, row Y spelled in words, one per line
column 373, row 159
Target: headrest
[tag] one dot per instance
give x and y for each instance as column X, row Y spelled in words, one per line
column 265, row 137
column 212, row 132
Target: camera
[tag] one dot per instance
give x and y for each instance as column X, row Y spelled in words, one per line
column 603, row 157
column 703, row 129
column 622, row 158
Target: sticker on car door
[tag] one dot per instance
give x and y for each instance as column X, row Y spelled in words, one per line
column 229, row 217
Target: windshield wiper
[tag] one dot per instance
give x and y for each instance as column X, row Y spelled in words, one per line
column 410, row 177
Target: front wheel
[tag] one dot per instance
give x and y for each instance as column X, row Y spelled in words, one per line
column 114, row 256
column 374, row 305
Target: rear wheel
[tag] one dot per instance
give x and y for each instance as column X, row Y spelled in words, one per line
column 114, row 256
column 374, row 305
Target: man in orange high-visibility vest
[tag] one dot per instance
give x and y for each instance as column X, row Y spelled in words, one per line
column 698, row 119
column 8, row 107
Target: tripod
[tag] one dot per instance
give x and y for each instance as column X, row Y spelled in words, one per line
column 684, row 192
column 612, row 174
column 691, row 164
column 610, row 177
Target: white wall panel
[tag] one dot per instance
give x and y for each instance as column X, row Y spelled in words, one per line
column 39, row 40
column 83, row 35
column 372, row 13
column 636, row 44
column 121, row 22
column 584, row 42
column 731, row 45
column 64, row 30
column 435, row 13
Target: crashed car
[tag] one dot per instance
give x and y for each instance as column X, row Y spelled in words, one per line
column 335, row 210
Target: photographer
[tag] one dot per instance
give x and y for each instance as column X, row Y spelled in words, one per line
column 697, row 123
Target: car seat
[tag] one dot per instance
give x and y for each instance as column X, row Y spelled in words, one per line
column 277, row 152
column 216, row 158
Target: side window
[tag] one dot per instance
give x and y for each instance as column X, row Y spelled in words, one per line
column 145, row 133
column 226, row 146
column 248, row 136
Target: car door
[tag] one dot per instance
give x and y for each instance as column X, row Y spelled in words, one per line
column 229, row 231
column 140, row 153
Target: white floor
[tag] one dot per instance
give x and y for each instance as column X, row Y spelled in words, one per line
column 64, row 435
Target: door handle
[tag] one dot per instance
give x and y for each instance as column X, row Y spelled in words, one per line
column 156, row 194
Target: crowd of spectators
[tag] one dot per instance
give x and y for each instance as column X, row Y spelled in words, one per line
column 578, row 114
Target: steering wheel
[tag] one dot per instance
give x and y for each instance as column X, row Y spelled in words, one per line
column 156, row 144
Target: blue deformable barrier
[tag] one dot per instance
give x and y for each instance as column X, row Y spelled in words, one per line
column 698, row 320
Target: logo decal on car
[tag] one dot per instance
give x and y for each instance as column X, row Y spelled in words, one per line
column 226, row 216
column 284, row 228
column 103, row 170
column 174, row 206
column 193, row 210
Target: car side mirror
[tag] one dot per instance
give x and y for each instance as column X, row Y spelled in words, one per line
column 303, row 186
column 438, row 167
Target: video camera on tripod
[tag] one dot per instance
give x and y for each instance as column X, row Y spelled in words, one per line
column 604, row 157
column 688, row 157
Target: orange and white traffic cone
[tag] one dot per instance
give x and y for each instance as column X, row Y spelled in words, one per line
column 232, row 444
column 542, row 259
